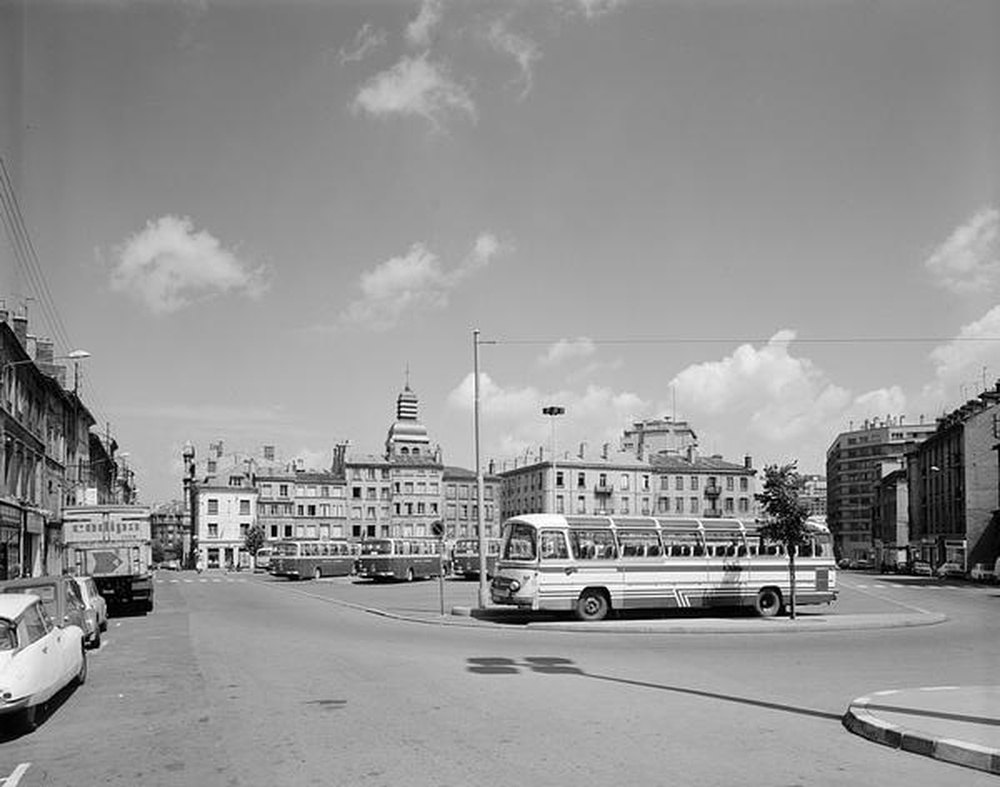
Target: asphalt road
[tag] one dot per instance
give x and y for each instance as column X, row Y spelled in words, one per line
column 240, row 680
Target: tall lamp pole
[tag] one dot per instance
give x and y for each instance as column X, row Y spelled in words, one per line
column 553, row 411
column 484, row 592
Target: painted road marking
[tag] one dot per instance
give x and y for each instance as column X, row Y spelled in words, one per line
column 15, row 777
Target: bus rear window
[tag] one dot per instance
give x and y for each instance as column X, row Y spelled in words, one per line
column 520, row 543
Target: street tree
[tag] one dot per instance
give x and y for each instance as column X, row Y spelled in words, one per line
column 785, row 515
column 254, row 540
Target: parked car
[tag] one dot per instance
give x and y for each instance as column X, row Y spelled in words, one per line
column 92, row 599
column 62, row 601
column 950, row 569
column 37, row 657
column 982, row 573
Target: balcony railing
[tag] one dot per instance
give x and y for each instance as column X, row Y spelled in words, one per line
column 712, row 490
column 603, row 489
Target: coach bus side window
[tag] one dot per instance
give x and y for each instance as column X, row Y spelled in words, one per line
column 521, row 544
column 552, row 545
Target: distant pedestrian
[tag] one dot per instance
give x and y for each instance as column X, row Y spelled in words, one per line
column 199, row 566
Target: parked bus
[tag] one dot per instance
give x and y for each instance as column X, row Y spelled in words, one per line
column 592, row 565
column 402, row 558
column 312, row 559
column 465, row 557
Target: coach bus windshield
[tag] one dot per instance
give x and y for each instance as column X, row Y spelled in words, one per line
column 520, row 542
column 377, row 547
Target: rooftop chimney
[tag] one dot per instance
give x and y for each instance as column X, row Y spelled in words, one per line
column 748, row 462
column 21, row 330
column 583, row 451
column 605, row 449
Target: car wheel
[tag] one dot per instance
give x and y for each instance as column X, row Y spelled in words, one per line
column 768, row 602
column 592, row 605
column 95, row 641
column 81, row 676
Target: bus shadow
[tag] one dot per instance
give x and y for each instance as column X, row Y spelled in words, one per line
column 557, row 665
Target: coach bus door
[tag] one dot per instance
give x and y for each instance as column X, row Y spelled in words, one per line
column 557, row 573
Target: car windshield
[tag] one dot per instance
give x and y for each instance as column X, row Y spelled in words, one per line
column 8, row 635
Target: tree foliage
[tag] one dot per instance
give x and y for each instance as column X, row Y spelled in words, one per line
column 254, row 539
column 785, row 514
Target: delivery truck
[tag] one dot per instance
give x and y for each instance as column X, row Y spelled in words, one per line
column 113, row 544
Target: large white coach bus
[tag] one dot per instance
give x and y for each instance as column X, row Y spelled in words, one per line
column 592, row 565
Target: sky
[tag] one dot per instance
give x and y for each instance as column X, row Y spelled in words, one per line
column 773, row 219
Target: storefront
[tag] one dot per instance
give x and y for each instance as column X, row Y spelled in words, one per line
column 11, row 517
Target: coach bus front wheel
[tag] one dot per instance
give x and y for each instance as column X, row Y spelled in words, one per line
column 768, row 602
column 592, row 605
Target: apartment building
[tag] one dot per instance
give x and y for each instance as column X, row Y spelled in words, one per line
column 853, row 471
column 619, row 483
column 953, row 479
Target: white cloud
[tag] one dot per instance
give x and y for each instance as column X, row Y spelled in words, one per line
column 566, row 350
column 365, row 41
column 592, row 9
column 168, row 265
column 524, row 51
column 415, row 86
column 415, row 281
column 961, row 364
column 419, row 31
column 969, row 260
column 513, row 420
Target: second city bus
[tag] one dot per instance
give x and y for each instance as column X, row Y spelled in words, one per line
column 312, row 559
column 592, row 565
column 401, row 558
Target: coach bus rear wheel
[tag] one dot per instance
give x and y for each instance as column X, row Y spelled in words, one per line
column 768, row 603
column 317, row 574
column 592, row 605
column 409, row 575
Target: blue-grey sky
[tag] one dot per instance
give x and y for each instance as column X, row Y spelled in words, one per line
column 257, row 215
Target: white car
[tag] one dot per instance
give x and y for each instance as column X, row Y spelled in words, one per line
column 93, row 599
column 37, row 657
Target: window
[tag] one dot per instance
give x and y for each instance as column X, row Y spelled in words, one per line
column 552, row 545
column 645, row 483
column 581, row 505
column 593, row 544
column 744, row 505
column 283, row 490
column 213, row 530
column 663, row 505
column 694, row 505
column 623, row 482
column 311, row 510
column 679, row 505
column 665, row 483
column 730, row 483
column 300, row 510
column 356, row 492
column 729, row 505
column 213, row 506
column 235, row 480
column 559, row 479
column 679, row 483
column 244, row 507
column 244, row 529
column 560, row 508
column 694, row 483
column 581, row 480
column 744, row 484
column 624, row 506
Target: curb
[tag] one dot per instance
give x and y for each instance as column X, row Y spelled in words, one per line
column 861, row 721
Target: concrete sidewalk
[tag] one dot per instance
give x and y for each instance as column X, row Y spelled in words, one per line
column 956, row 724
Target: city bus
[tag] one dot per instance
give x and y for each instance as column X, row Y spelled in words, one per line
column 592, row 565
column 312, row 559
column 402, row 558
column 465, row 557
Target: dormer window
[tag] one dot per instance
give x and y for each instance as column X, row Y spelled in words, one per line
column 236, row 480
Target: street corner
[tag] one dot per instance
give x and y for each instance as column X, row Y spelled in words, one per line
column 955, row 724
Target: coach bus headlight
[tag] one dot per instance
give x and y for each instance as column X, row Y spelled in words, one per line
column 514, row 586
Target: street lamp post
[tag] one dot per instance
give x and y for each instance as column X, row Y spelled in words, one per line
column 553, row 411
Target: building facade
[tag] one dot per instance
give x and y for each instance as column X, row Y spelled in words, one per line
column 853, row 471
column 49, row 456
column 953, row 483
column 618, row 483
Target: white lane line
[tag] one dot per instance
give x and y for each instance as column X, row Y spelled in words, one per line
column 15, row 777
